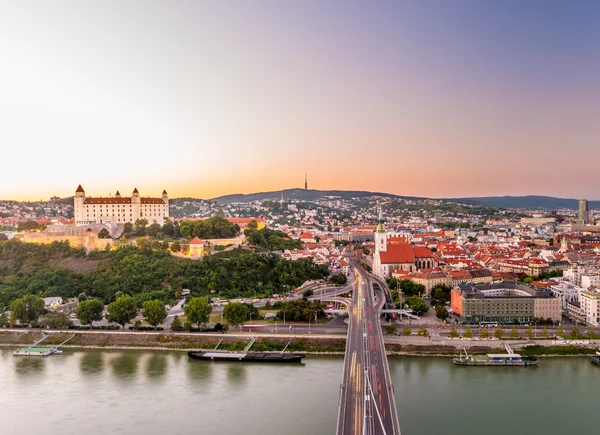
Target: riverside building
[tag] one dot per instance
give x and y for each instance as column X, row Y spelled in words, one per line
column 507, row 302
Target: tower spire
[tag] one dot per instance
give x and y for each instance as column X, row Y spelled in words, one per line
column 380, row 225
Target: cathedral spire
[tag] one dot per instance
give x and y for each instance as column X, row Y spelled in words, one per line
column 380, row 225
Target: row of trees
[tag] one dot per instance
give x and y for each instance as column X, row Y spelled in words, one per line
column 216, row 227
column 270, row 240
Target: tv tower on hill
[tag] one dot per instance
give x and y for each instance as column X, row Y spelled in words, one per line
column 305, row 182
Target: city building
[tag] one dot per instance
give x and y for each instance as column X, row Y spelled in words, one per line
column 396, row 253
column 506, row 302
column 196, row 247
column 590, row 306
column 584, row 212
column 117, row 209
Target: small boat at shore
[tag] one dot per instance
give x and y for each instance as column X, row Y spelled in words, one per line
column 596, row 358
column 246, row 356
column 35, row 350
column 496, row 360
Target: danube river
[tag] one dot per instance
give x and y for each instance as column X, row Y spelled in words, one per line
column 163, row 393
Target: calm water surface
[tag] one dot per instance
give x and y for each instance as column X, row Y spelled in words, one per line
column 152, row 393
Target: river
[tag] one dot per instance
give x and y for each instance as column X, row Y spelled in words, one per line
column 163, row 393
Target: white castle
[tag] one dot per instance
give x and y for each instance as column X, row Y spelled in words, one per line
column 117, row 209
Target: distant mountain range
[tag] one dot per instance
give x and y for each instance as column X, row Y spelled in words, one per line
column 525, row 202
column 302, row 195
column 522, row 202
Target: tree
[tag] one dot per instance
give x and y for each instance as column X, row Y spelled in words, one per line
column 484, row 333
column 3, row 237
column 153, row 230
column 140, row 227
column 545, row 332
column 499, row 333
column 416, row 304
column 176, row 325
column 175, row 246
column 468, row 333
column 391, row 329
column 154, row 312
column 89, row 311
column 197, row 310
column 168, row 229
column 103, row 234
column 27, row 309
column 127, row 229
column 122, row 310
column 82, row 297
column 339, row 279
column 235, row 313
column 453, row 333
column 55, row 320
column 514, row 333
column 560, row 331
column 590, row 333
column 406, row 331
column 575, row 333
column 252, row 225
column 530, row 332
column 423, row 332
column 441, row 312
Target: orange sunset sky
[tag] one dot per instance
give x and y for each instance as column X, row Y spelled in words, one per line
column 423, row 98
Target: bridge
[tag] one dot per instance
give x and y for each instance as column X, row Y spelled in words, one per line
column 367, row 405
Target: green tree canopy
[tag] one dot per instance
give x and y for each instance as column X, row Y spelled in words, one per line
column 197, row 310
column 103, row 234
column 55, row 320
column 89, row 311
column 27, row 309
column 122, row 310
column 235, row 313
column 154, row 312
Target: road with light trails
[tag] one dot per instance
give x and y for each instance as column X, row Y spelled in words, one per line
column 367, row 404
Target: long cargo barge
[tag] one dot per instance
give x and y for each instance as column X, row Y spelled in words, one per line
column 497, row 360
column 248, row 357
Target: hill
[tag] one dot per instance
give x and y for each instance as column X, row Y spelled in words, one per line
column 525, row 202
column 302, row 195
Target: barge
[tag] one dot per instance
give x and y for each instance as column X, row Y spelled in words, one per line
column 596, row 358
column 246, row 356
column 509, row 359
column 35, row 350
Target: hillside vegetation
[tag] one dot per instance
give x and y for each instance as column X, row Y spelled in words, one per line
column 145, row 273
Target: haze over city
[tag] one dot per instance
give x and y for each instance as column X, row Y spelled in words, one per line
column 437, row 99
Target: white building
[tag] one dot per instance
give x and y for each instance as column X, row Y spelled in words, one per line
column 590, row 306
column 567, row 292
column 89, row 210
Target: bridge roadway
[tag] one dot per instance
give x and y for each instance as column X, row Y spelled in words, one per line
column 367, row 405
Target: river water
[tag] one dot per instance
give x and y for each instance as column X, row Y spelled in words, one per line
column 163, row 393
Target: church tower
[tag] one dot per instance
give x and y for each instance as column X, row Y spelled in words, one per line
column 380, row 234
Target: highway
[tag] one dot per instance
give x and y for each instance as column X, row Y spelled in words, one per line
column 367, row 404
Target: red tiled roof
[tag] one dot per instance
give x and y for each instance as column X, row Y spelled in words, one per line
column 79, row 189
column 196, row 241
column 152, row 201
column 135, row 190
column 398, row 253
column 306, row 236
column 422, row 252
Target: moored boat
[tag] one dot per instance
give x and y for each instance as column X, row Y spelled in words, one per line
column 248, row 357
column 496, row 360
column 596, row 358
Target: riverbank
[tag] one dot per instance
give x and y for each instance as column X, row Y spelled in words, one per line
column 308, row 344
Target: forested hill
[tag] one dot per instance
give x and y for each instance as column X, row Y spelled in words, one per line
column 302, row 195
column 525, row 202
column 145, row 273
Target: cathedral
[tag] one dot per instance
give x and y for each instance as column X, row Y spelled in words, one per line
column 117, row 209
column 396, row 253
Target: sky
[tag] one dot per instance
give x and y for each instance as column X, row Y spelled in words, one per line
column 204, row 98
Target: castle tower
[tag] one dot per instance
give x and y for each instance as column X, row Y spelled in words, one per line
column 165, row 198
column 78, row 205
column 117, row 195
